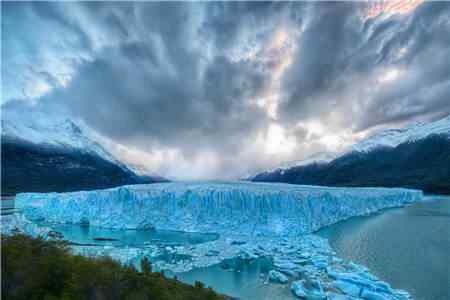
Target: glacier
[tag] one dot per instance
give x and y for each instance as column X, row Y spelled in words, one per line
column 238, row 207
column 254, row 220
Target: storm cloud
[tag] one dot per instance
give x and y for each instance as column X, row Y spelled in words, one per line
column 220, row 90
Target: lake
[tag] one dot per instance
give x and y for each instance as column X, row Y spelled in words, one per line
column 408, row 247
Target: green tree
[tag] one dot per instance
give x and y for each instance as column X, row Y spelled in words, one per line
column 199, row 285
column 146, row 266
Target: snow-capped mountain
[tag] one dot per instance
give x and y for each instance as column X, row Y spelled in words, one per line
column 45, row 153
column 416, row 156
column 394, row 137
column 40, row 129
column 387, row 138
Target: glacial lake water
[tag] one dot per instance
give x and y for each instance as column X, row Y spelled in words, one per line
column 135, row 238
column 408, row 247
column 240, row 278
column 7, row 206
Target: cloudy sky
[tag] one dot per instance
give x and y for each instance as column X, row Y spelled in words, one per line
column 220, row 90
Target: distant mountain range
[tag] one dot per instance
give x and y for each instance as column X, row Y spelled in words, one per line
column 41, row 154
column 417, row 156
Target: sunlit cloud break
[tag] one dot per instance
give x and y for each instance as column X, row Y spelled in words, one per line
column 389, row 7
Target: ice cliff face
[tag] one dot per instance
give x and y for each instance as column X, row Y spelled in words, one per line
column 247, row 208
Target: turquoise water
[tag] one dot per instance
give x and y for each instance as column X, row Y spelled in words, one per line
column 7, row 206
column 407, row 247
column 240, row 278
column 136, row 238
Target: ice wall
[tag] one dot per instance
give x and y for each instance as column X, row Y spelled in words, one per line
column 238, row 207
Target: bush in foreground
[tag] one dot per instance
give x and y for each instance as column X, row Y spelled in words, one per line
column 33, row 268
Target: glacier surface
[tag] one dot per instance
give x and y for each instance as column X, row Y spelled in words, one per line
column 238, row 207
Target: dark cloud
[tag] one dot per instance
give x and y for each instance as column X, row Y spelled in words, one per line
column 335, row 46
column 188, row 77
column 325, row 47
column 127, row 99
column 422, row 89
column 226, row 22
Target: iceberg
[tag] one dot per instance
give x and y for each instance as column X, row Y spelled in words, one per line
column 298, row 288
column 261, row 209
column 277, row 277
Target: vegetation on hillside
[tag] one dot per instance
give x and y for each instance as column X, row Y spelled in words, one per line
column 33, row 268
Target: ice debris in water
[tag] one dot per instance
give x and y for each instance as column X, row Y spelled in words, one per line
column 17, row 223
column 298, row 288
